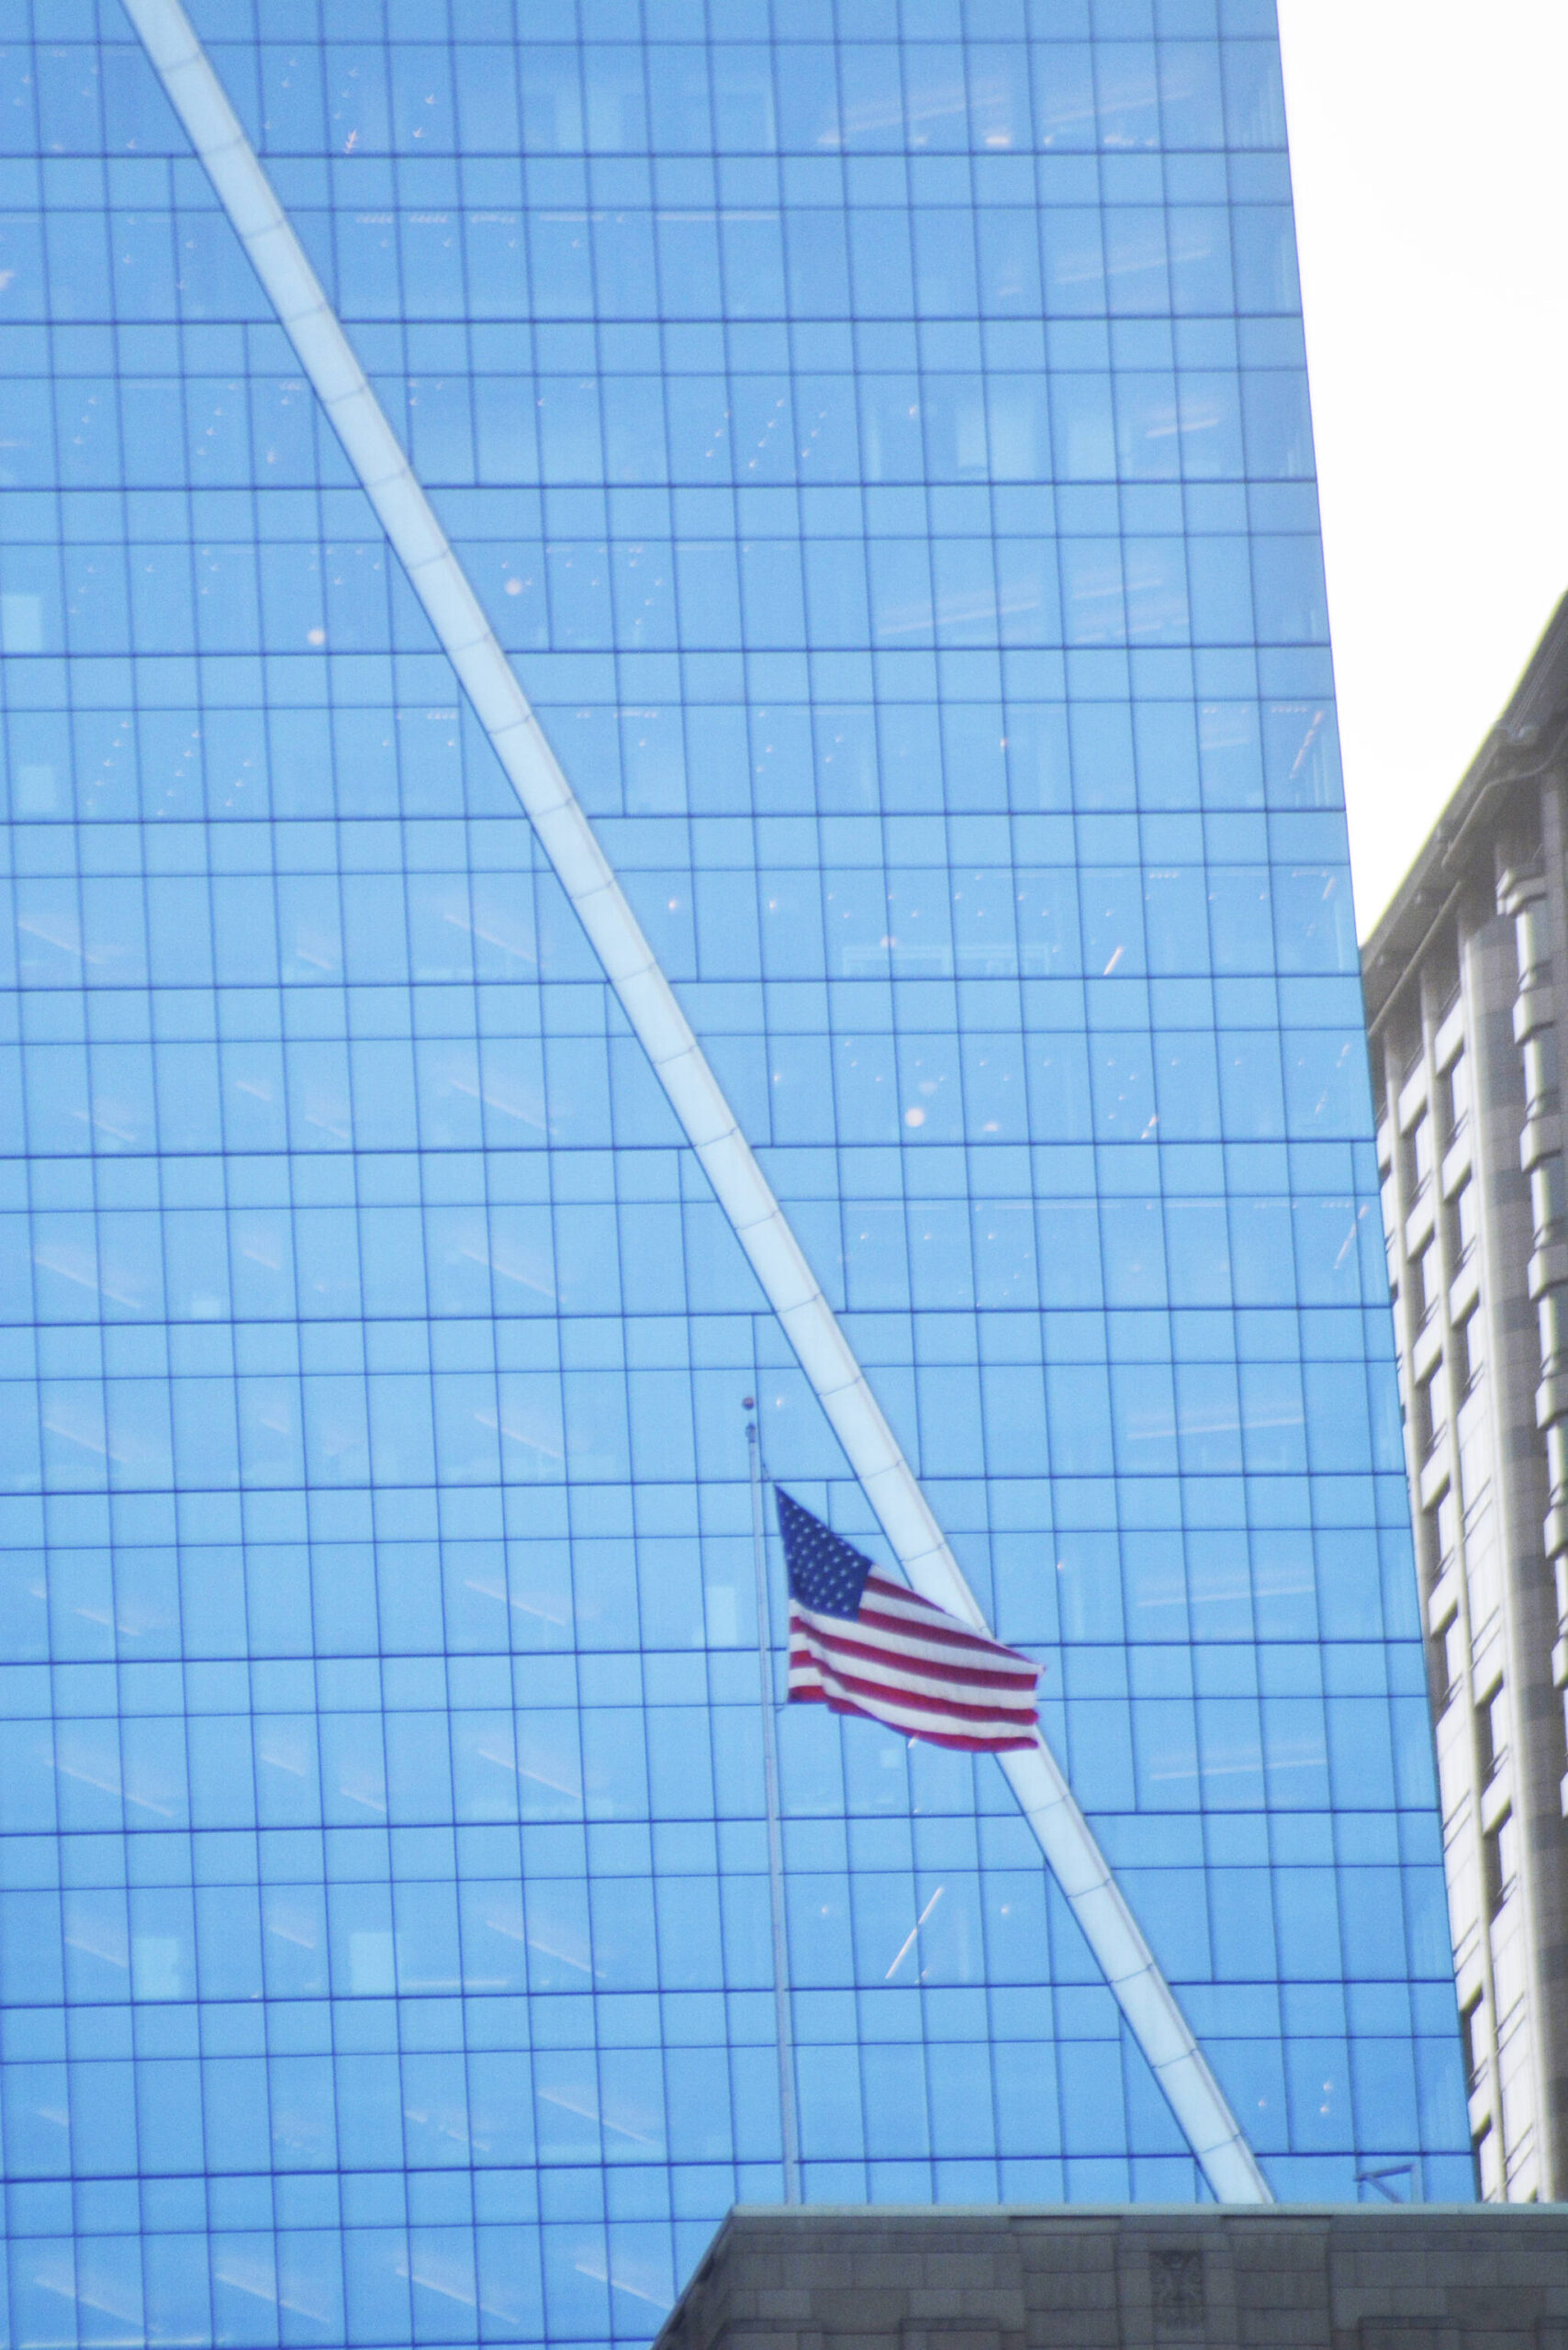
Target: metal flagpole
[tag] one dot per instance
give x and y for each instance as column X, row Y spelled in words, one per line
column 783, row 2027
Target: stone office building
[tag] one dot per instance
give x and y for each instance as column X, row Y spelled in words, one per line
column 1467, row 990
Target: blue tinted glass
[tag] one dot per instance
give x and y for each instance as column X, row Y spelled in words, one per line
column 886, row 457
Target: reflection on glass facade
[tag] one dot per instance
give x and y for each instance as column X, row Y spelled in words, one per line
column 881, row 438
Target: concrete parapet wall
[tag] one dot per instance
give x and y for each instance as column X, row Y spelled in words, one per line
column 1073, row 2278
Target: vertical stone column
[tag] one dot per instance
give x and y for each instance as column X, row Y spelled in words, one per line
column 1436, row 1282
column 1519, row 1163
column 1517, row 1498
column 1538, row 1587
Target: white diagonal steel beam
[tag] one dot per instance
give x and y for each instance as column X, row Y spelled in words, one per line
column 744, row 1192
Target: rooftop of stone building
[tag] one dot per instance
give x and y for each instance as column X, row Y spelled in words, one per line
column 1456, row 2276
column 1529, row 736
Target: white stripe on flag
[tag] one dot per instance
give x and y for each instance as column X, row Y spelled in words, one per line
column 973, row 1672
column 852, row 1661
column 904, row 1662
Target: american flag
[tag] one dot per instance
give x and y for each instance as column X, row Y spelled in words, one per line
column 864, row 1644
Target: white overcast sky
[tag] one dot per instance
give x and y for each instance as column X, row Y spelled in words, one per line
column 1430, row 155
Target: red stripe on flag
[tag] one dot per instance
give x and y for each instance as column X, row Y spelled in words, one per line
column 959, row 1741
column 911, row 1666
column 974, row 1676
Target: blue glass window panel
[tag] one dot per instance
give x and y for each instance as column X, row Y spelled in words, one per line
column 386, row 1111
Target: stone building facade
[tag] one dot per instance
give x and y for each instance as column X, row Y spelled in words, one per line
column 1467, row 996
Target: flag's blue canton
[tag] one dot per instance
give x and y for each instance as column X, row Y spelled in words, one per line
column 825, row 1574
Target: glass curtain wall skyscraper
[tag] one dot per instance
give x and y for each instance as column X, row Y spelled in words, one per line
column 878, row 438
